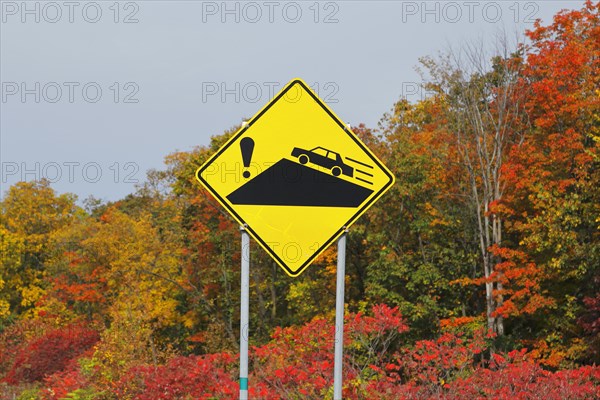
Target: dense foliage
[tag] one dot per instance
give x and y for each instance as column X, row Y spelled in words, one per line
column 476, row 276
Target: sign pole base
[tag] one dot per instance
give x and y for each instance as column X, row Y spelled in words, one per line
column 339, row 318
column 244, row 313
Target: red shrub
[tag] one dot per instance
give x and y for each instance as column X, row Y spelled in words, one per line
column 298, row 362
column 434, row 362
column 507, row 377
column 527, row 380
column 197, row 377
column 51, row 353
column 14, row 337
column 590, row 320
column 58, row 385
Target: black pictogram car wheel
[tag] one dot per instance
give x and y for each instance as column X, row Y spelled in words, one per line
column 303, row 159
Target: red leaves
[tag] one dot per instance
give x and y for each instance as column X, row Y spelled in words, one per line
column 51, row 353
column 444, row 369
column 197, row 377
column 526, row 380
column 298, row 363
column 299, row 360
column 386, row 318
column 590, row 320
column 434, row 362
column 60, row 384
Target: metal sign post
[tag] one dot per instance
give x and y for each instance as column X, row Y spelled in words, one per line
column 339, row 318
column 244, row 314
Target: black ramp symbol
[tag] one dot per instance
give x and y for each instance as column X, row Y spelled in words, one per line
column 287, row 183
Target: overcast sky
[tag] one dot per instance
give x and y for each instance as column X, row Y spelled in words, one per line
column 96, row 93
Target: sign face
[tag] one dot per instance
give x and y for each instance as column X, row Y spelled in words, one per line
column 295, row 176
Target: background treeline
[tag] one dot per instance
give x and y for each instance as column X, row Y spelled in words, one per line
column 480, row 264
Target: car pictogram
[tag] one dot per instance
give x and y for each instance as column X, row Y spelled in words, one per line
column 324, row 158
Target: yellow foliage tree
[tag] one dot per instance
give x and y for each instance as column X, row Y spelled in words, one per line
column 30, row 215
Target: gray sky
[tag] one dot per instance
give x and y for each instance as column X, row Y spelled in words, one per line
column 96, row 93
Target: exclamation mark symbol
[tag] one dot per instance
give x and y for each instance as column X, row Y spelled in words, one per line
column 247, row 147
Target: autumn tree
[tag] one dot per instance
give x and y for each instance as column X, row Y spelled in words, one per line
column 30, row 215
column 553, row 209
column 420, row 234
column 483, row 103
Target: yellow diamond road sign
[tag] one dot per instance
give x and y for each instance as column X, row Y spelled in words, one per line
column 295, row 176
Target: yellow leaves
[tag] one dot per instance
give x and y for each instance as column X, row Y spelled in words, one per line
column 32, row 209
column 555, row 263
column 189, row 319
column 438, row 219
column 139, row 270
column 296, row 296
column 127, row 342
column 31, row 215
column 464, row 281
column 11, row 248
column 555, row 352
column 31, row 294
column 4, row 308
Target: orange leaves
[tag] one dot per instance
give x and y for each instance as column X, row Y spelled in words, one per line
column 521, row 279
column 551, row 176
column 499, row 208
column 456, row 322
column 84, row 292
